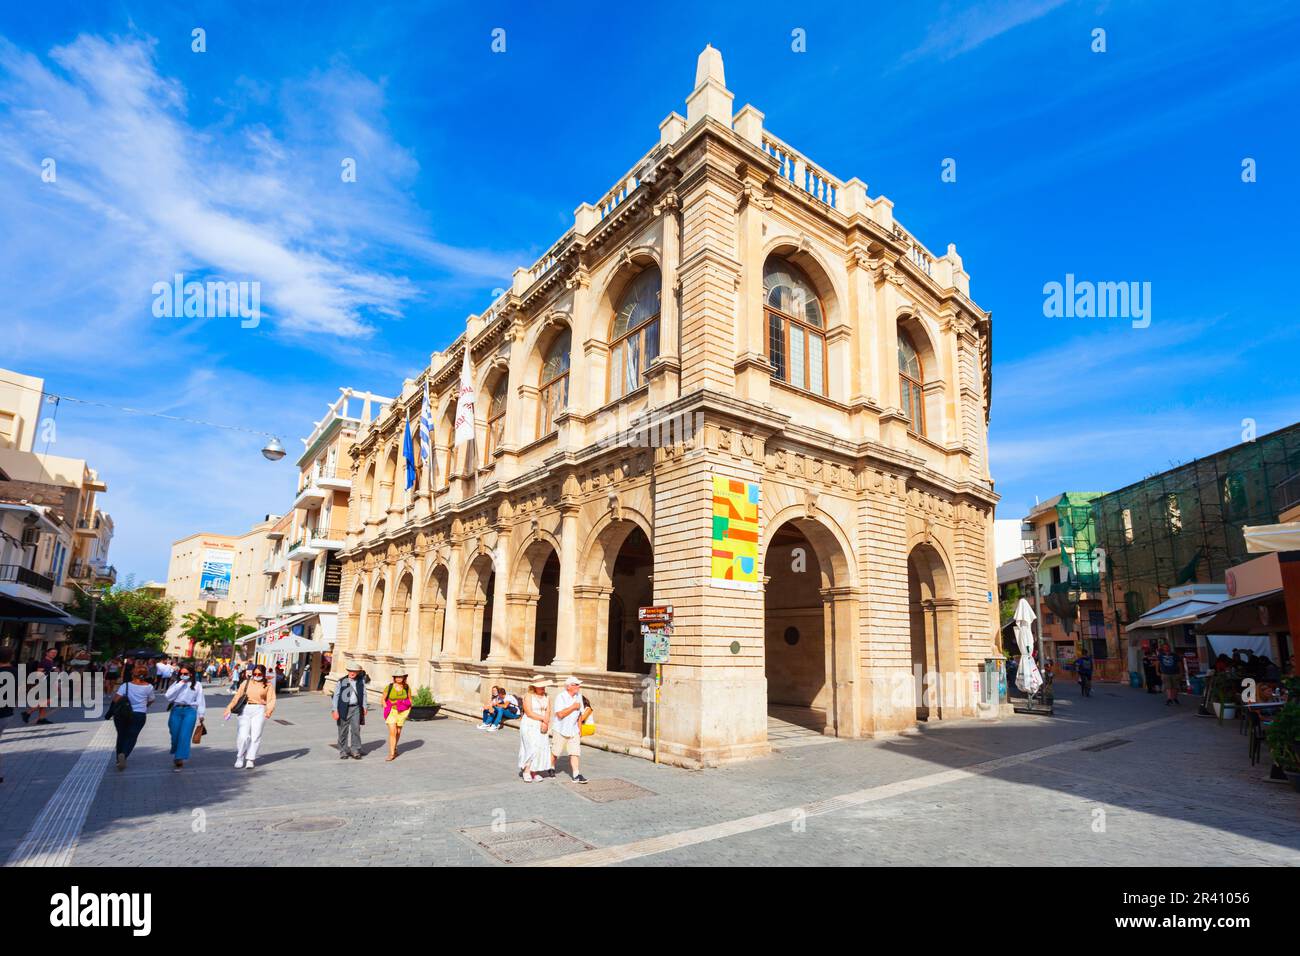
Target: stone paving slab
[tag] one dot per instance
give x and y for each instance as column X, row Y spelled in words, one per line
column 1181, row 792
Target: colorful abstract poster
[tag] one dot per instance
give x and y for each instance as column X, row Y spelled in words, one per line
column 734, row 554
column 218, row 566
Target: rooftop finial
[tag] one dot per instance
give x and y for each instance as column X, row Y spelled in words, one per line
column 709, row 67
column 710, row 97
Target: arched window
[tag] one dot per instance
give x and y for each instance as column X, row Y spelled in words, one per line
column 496, row 419
column 796, row 337
column 555, row 383
column 451, row 447
column 911, row 378
column 634, row 342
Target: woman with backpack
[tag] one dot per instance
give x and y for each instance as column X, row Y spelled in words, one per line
column 187, row 710
column 128, row 710
column 397, row 704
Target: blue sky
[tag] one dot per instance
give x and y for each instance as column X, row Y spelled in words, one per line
column 1115, row 166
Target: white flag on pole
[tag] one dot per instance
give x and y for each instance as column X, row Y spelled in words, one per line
column 465, row 403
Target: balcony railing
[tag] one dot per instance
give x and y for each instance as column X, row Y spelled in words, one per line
column 17, row 574
column 797, row 169
column 919, row 255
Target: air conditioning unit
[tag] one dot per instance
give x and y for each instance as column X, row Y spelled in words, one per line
column 31, row 537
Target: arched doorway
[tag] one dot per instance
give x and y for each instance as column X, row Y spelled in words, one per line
column 376, row 616
column 933, row 629
column 548, row 612
column 485, row 628
column 796, row 649
column 632, row 580
column 355, row 638
column 433, row 613
column 474, row 624
column 397, row 617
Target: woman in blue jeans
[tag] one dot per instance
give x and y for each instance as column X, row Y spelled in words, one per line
column 502, row 707
column 186, row 697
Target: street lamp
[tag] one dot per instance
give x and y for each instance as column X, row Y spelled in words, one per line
column 1033, row 558
column 273, row 451
column 96, row 595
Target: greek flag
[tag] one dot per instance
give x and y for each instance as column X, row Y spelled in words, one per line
column 426, row 427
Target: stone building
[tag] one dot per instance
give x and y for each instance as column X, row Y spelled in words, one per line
column 729, row 328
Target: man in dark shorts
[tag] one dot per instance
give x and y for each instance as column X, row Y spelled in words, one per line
column 1167, row 661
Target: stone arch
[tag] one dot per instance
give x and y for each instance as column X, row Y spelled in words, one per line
column 810, row 623
column 934, row 386
column 828, row 280
column 375, row 614
column 630, row 265
column 433, row 611
column 534, row 600
column 355, row 637
column 387, row 482
column 617, row 576
column 368, row 489
column 933, row 628
column 476, row 602
column 399, row 614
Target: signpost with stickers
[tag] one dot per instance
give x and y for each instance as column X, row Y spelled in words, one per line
column 656, row 632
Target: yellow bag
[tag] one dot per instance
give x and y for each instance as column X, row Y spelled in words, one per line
column 589, row 727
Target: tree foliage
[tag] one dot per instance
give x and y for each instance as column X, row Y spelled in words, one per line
column 210, row 631
column 125, row 619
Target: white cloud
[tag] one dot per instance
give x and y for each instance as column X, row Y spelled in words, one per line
column 959, row 30
column 145, row 194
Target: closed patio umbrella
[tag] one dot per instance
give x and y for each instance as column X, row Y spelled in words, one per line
column 1028, row 677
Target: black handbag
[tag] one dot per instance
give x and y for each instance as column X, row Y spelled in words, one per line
column 238, row 709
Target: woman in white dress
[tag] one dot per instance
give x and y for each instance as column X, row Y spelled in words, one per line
column 534, row 746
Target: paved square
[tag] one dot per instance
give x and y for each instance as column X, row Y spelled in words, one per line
column 1115, row 779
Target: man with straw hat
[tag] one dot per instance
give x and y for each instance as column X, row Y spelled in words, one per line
column 350, row 710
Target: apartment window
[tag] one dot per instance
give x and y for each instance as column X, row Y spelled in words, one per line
column 796, row 337
column 1127, row 516
column 1052, row 541
column 496, row 421
column 1173, row 514
column 911, row 378
column 1055, row 572
column 634, row 341
column 8, row 429
column 1235, row 505
column 554, row 394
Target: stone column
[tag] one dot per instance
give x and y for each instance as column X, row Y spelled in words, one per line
column 567, row 643
column 840, row 620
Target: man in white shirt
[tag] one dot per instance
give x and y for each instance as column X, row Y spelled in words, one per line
column 566, row 727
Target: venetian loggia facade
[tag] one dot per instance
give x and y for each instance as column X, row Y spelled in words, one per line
column 728, row 310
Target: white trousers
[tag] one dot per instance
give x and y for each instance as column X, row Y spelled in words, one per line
column 250, row 731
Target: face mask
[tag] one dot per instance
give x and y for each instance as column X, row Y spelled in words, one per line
column 259, row 677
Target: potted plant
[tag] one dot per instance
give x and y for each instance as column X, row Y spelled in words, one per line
column 1225, row 694
column 1283, row 736
column 423, row 705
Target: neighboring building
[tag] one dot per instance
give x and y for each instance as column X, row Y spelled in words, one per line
column 218, row 573
column 53, row 535
column 736, row 386
column 301, row 576
column 1184, row 526
column 1069, row 581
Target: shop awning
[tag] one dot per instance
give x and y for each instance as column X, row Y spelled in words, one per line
column 270, row 628
column 33, row 611
column 1272, row 537
column 1241, row 615
column 1179, row 610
